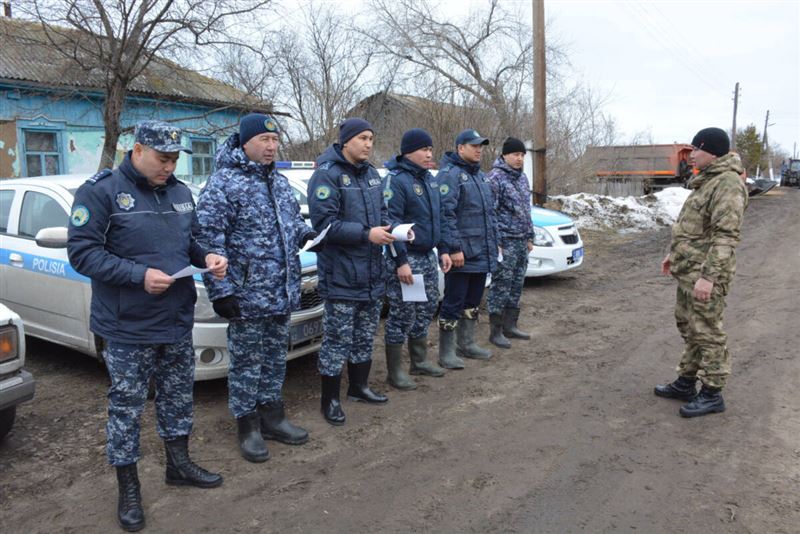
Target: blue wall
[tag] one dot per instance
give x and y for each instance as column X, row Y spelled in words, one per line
column 77, row 121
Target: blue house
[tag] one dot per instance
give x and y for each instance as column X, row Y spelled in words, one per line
column 51, row 111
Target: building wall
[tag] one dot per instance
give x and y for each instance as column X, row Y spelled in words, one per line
column 76, row 121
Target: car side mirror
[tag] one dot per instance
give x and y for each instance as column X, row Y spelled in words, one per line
column 55, row 237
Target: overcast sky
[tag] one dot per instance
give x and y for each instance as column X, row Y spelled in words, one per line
column 670, row 66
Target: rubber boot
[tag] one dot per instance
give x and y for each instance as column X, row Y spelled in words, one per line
column 331, row 405
column 359, row 390
column 682, row 389
column 496, row 336
column 465, row 336
column 709, row 400
column 275, row 426
column 447, row 345
column 510, row 330
column 182, row 471
column 251, row 443
column 395, row 375
column 130, row 514
column 418, row 354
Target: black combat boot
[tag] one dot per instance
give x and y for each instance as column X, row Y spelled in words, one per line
column 418, row 354
column 275, row 426
column 709, row 400
column 510, row 318
column 251, row 443
column 130, row 514
column 331, row 405
column 396, row 376
column 182, row 471
column 465, row 337
column 358, row 389
column 682, row 389
column 496, row 336
column 447, row 345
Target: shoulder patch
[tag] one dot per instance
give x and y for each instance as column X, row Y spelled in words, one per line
column 80, row 215
column 105, row 173
column 388, row 194
column 322, row 192
column 444, row 189
column 326, row 165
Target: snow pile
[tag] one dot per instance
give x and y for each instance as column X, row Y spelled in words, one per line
column 627, row 214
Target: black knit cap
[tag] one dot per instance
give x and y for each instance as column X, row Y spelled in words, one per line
column 713, row 140
column 414, row 139
column 351, row 128
column 512, row 144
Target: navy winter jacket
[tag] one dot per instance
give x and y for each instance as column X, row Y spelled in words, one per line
column 412, row 195
column 468, row 208
column 121, row 226
column 248, row 213
column 349, row 198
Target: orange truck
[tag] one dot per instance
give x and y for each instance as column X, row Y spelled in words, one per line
column 639, row 169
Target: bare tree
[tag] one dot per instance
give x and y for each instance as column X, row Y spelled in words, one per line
column 116, row 40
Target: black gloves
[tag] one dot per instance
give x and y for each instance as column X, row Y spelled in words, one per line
column 227, row 307
column 308, row 237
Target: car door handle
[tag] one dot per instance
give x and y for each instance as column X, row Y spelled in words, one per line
column 16, row 259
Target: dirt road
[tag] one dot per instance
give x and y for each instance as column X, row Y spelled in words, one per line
column 562, row 434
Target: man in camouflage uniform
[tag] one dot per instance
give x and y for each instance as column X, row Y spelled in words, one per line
column 702, row 259
column 129, row 229
column 412, row 196
column 248, row 213
column 512, row 205
column 345, row 195
column 471, row 234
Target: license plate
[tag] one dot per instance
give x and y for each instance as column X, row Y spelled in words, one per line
column 577, row 254
column 306, row 330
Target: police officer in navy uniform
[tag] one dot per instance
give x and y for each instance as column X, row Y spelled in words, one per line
column 412, row 196
column 346, row 196
column 468, row 211
column 130, row 229
column 248, row 213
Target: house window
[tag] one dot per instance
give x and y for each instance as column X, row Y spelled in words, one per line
column 41, row 153
column 202, row 159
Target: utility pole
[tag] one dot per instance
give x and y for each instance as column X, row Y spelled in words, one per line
column 735, row 107
column 764, row 137
column 539, row 107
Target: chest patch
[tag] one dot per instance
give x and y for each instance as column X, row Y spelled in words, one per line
column 183, row 207
column 444, row 189
column 125, row 201
column 418, row 189
column 464, row 177
column 388, row 194
column 345, row 180
column 374, row 181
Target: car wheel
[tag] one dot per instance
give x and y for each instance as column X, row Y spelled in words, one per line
column 7, row 420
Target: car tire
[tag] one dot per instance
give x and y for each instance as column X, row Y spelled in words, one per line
column 7, row 420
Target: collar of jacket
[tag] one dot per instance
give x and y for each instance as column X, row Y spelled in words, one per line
column 455, row 159
column 401, row 162
column 728, row 162
column 130, row 172
column 503, row 165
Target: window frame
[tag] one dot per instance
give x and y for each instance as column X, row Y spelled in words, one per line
column 59, row 152
column 196, row 179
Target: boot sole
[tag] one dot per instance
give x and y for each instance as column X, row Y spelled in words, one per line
column 417, row 372
column 283, row 440
column 332, row 422
column 256, row 459
column 689, row 415
column 412, row 387
column 359, row 399
column 512, row 336
column 499, row 345
column 133, row 528
column 455, row 367
column 181, row 482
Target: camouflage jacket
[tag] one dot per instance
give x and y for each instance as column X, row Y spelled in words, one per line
column 512, row 201
column 708, row 227
column 248, row 213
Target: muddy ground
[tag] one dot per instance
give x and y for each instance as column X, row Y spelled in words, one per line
column 560, row 434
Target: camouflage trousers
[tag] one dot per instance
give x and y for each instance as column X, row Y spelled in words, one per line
column 509, row 277
column 411, row 319
column 349, row 331
column 705, row 353
column 258, row 362
column 130, row 367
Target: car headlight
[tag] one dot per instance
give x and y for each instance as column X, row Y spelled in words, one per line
column 9, row 343
column 541, row 238
column 203, row 311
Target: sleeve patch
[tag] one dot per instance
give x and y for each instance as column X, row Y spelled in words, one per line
column 444, row 189
column 322, row 192
column 80, row 216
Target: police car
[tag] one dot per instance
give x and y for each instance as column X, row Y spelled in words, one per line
column 38, row 282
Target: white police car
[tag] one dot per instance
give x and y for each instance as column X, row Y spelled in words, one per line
column 37, row 280
column 557, row 245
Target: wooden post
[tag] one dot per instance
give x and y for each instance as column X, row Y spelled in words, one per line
column 539, row 107
column 735, row 107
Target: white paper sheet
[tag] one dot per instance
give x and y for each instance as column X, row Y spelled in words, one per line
column 500, row 256
column 316, row 241
column 416, row 291
column 402, row 232
column 188, row 271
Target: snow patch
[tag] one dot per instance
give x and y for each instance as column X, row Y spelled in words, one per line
column 625, row 214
